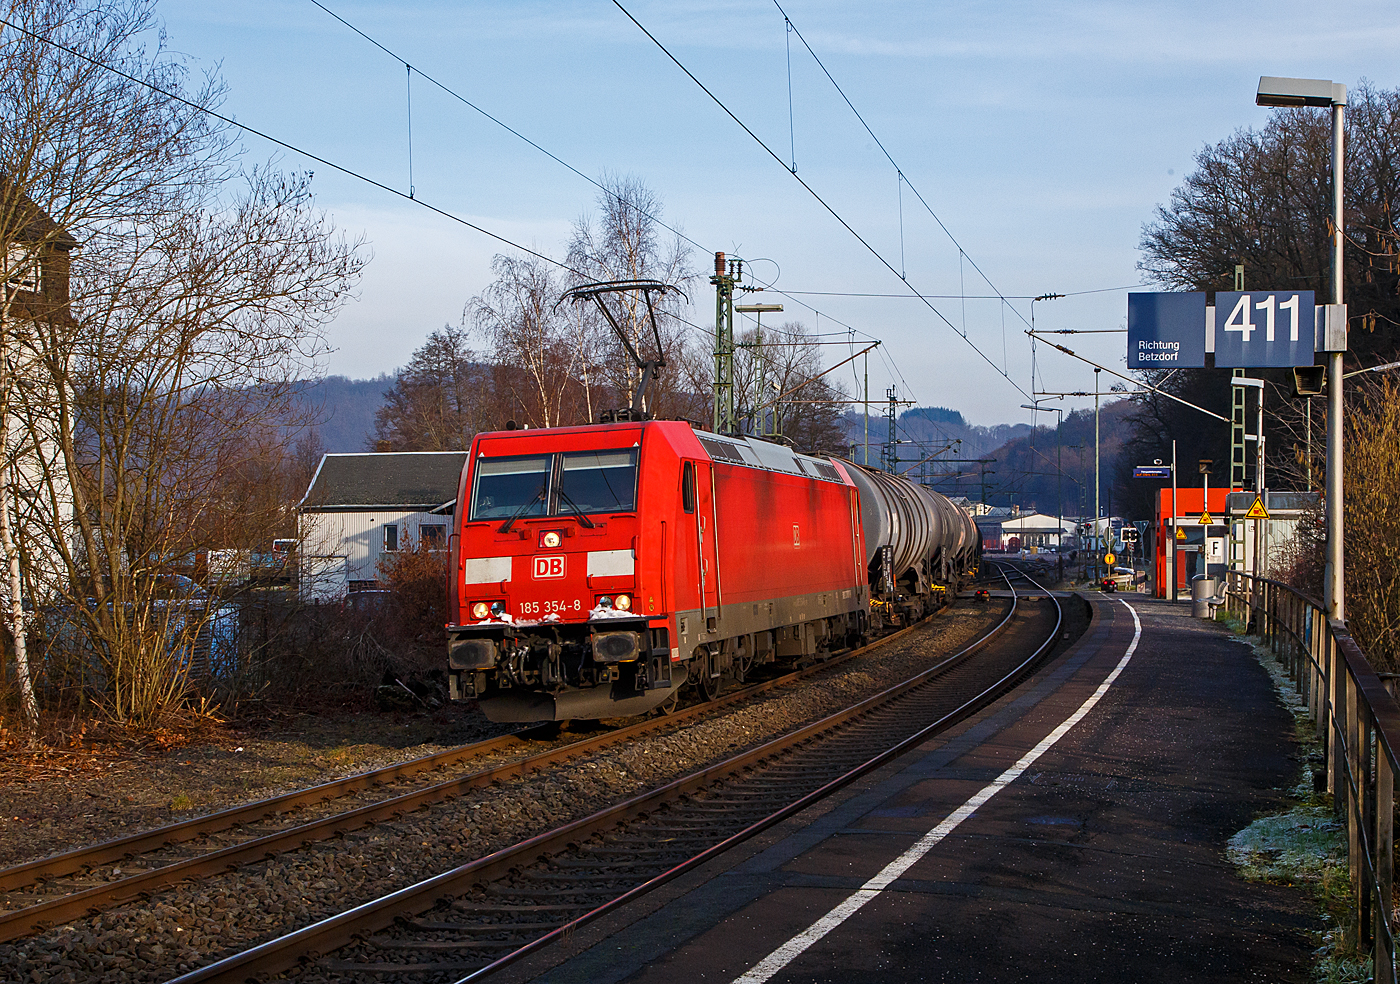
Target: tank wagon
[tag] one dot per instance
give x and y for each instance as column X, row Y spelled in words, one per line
column 596, row 570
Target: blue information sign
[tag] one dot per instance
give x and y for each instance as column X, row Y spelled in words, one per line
column 1265, row 328
column 1152, row 471
column 1167, row 330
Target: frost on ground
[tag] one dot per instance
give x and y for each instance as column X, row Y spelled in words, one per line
column 1300, row 845
column 1309, row 749
column 1303, row 844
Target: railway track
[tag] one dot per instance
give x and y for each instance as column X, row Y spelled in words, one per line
column 477, row 918
column 54, row 890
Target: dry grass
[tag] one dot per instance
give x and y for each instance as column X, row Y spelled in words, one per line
column 1372, row 483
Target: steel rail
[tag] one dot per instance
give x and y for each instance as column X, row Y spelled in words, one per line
column 913, row 741
column 17, row 923
column 281, row 954
column 58, row 865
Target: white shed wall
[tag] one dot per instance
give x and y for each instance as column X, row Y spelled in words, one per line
column 340, row 547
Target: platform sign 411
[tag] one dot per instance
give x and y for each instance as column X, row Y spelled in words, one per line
column 1265, row 328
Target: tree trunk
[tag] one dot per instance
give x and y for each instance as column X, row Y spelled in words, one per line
column 14, row 597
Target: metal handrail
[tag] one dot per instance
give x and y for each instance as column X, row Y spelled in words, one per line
column 1358, row 723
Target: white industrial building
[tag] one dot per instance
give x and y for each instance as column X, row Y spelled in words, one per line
column 362, row 508
column 1035, row 531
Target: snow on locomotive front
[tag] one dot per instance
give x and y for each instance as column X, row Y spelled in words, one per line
column 596, row 569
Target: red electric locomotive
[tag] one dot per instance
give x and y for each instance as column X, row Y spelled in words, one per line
column 597, row 569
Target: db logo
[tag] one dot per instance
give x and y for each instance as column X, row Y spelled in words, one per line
column 549, row 567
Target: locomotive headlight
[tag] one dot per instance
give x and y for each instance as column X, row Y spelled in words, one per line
column 605, row 601
column 622, row 603
column 551, row 540
column 498, row 608
column 480, row 610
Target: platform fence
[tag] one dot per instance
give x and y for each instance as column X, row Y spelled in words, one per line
column 1357, row 721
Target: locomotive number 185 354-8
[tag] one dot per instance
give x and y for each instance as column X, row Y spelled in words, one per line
column 545, row 607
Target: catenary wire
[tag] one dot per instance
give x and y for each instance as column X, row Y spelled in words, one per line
column 789, row 27
column 567, row 166
column 888, row 155
column 954, row 297
column 350, row 172
column 347, row 171
column 812, row 191
column 506, row 126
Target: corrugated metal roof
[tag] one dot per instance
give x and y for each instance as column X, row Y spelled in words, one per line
column 416, row 480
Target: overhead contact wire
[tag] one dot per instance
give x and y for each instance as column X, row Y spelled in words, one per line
column 573, row 170
column 811, row 191
column 888, row 155
column 340, row 168
column 508, row 128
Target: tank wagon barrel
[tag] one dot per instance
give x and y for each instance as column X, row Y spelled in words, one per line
column 917, row 541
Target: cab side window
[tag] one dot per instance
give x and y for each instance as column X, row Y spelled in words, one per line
column 688, row 486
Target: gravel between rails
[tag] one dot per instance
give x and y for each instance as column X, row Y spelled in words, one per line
column 88, row 799
column 193, row 924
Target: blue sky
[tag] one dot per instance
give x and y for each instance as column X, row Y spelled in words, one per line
column 1042, row 135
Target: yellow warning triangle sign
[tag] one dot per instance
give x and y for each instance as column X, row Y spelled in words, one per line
column 1206, row 520
column 1257, row 510
column 1180, row 533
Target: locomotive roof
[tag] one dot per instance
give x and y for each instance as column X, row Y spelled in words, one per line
column 752, row 452
column 411, row 481
column 757, row 453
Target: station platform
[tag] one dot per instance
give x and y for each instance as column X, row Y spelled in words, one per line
column 1075, row 831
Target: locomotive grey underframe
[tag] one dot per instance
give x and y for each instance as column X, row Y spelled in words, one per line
column 781, row 628
column 713, row 626
column 614, row 644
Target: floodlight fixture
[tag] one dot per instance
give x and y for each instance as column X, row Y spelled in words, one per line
column 1275, row 91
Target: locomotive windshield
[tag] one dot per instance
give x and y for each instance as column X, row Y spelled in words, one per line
column 598, row 481
column 507, row 486
column 569, row 484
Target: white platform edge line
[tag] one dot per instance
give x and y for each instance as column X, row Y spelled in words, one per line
column 794, row 947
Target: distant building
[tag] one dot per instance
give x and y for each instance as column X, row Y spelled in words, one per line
column 989, row 520
column 1035, row 532
column 362, row 508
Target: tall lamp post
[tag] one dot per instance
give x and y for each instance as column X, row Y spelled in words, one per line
column 1325, row 93
column 1097, row 552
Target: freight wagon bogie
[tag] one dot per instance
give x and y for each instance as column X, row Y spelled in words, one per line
column 735, row 658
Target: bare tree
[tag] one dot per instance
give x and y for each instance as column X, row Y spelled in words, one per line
column 196, row 292
column 794, row 398
column 1371, row 477
column 535, row 341
column 625, row 241
column 439, row 400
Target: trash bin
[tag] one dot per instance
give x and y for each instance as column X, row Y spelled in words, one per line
column 1202, row 594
